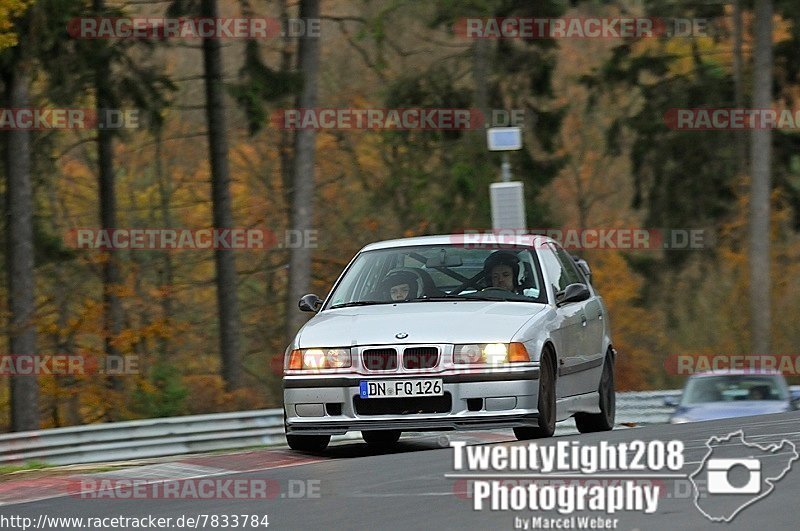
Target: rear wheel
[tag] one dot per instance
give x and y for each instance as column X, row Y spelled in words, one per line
column 546, row 403
column 603, row 421
column 381, row 438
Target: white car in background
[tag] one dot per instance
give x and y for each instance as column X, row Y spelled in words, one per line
column 731, row 393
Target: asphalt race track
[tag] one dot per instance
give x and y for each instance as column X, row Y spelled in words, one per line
column 407, row 489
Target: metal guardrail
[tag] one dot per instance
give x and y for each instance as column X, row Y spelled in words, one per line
column 137, row 439
column 644, row 407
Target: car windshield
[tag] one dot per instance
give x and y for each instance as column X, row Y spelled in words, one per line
column 441, row 272
column 728, row 388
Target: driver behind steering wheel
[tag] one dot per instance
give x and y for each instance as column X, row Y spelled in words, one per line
column 501, row 270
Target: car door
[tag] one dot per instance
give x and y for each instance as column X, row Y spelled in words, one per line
column 569, row 328
column 588, row 363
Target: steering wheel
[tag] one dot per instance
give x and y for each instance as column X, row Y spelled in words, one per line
column 495, row 289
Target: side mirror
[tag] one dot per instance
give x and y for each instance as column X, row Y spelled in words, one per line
column 572, row 293
column 310, row 303
column 671, row 401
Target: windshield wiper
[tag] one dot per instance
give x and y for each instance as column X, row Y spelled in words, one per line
column 357, row 303
column 479, row 296
column 445, row 298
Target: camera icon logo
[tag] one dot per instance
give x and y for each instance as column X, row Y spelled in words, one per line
column 736, row 473
column 718, row 477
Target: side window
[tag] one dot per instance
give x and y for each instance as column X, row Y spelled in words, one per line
column 555, row 271
column 530, row 282
column 570, row 267
column 370, row 276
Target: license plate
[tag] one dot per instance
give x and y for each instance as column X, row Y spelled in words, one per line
column 400, row 388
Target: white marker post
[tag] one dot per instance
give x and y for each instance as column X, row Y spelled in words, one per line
column 507, row 197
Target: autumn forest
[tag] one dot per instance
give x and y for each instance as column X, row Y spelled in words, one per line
column 163, row 332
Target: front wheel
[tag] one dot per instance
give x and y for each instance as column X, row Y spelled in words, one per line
column 546, row 404
column 305, row 443
column 603, row 421
column 308, row 443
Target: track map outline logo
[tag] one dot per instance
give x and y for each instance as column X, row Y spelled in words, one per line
column 719, row 499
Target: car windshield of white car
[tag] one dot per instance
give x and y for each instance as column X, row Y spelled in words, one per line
column 729, row 388
column 434, row 273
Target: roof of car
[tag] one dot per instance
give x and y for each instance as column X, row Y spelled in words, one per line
column 469, row 240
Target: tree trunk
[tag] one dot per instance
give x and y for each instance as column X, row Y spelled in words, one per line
column 19, row 238
column 112, row 306
column 303, row 182
column 286, row 161
column 480, row 77
column 738, row 90
column 227, row 300
column 63, row 338
column 166, row 277
column 761, row 158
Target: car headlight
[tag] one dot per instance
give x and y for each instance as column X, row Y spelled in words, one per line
column 490, row 353
column 679, row 420
column 319, row 358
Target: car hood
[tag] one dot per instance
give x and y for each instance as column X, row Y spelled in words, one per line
column 723, row 410
column 424, row 322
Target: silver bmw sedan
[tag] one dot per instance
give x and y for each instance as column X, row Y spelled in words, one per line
column 451, row 332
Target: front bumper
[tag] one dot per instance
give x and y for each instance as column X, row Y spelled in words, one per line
column 322, row 405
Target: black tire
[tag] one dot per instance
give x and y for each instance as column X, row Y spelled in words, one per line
column 381, row 438
column 308, row 443
column 603, row 421
column 546, row 403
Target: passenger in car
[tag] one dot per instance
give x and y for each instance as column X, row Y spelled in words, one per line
column 399, row 292
column 758, row 392
column 401, row 286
